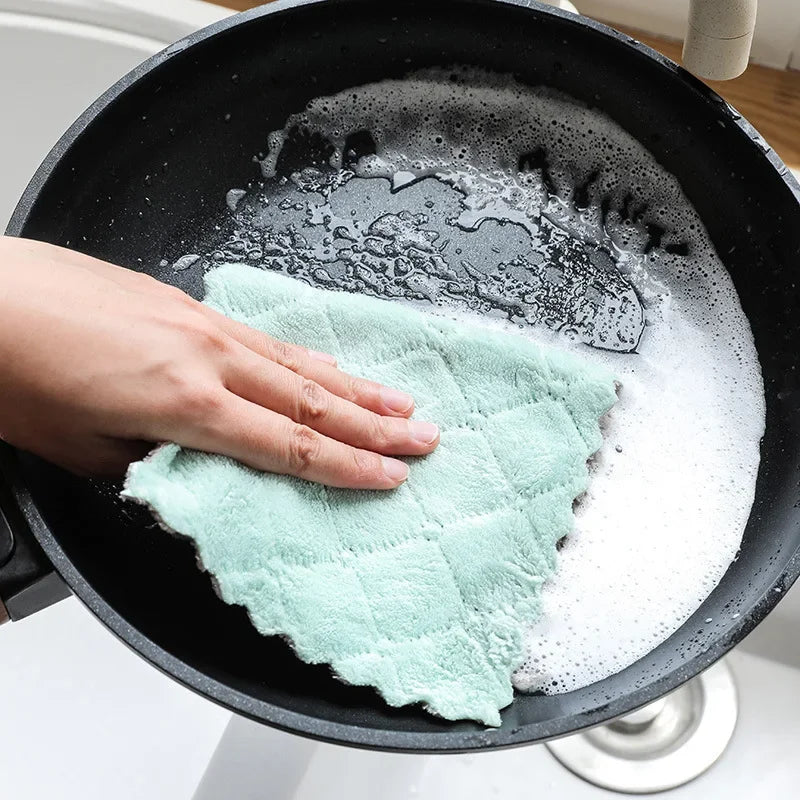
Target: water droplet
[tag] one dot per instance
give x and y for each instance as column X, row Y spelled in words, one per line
column 184, row 262
column 233, row 197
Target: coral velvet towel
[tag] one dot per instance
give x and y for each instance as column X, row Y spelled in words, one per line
column 422, row 592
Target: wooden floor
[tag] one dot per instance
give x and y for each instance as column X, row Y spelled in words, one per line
column 768, row 98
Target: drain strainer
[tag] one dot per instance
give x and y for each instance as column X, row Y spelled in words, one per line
column 661, row 746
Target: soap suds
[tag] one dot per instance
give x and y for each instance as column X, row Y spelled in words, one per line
column 469, row 194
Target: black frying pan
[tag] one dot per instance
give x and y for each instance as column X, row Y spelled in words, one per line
column 103, row 190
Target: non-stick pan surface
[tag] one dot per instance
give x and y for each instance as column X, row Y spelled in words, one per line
column 142, row 177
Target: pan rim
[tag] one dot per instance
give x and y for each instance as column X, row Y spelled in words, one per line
column 312, row 726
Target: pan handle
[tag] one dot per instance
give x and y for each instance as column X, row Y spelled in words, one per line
column 28, row 581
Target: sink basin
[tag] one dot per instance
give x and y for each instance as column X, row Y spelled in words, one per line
column 99, row 722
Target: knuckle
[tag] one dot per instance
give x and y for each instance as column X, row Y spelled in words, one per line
column 382, row 431
column 286, row 355
column 365, row 467
column 178, row 383
column 203, row 405
column 313, row 401
column 192, row 401
column 353, row 389
column 205, row 335
column 304, row 448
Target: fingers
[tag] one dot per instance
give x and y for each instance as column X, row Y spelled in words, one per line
column 320, row 368
column 306, row 402
column 268, row 441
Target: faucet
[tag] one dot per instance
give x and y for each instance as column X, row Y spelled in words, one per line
column 718, row 36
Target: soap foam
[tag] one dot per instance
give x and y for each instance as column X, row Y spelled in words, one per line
column 674, row 481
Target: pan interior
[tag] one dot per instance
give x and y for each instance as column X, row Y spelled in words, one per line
column 187, row 132
column 469, row 195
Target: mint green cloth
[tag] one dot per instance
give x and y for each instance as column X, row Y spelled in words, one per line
column 422, row 592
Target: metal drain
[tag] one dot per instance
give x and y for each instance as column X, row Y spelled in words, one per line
column 661, row 746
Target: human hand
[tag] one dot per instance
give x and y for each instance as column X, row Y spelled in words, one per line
column 97, row 363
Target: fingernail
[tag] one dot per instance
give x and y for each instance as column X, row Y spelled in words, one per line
column 395, row 470
column 396, row 400
column 425, row 432
column 326, row 357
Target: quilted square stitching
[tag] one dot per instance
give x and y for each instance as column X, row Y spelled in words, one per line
column 395, row 656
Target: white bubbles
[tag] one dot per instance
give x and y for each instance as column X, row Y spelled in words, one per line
column 233, row 197
column 673, row 484
column 186, row 261
column 671, row 490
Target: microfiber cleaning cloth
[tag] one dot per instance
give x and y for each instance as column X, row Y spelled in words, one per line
column 422, row 592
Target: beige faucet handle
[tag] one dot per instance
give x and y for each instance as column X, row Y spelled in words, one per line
column 718, row 37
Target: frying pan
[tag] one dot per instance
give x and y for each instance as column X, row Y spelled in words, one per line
column 141, row 177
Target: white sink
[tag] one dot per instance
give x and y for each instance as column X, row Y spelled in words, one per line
column 80, row 715
column 58, row 56
column 83, row 717
column 760, row 762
